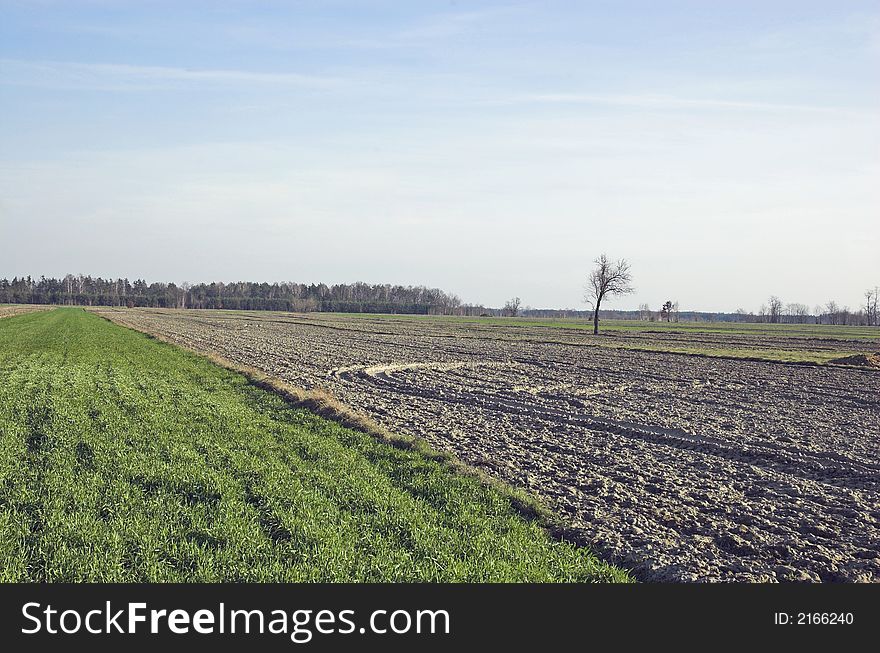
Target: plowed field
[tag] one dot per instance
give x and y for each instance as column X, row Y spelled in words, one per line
column 681, row 467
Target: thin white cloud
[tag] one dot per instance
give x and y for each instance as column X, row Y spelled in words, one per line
column 666, row 102
column 111, row 76
column 445, row 25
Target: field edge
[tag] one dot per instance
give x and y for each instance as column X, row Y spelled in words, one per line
column 323, row 403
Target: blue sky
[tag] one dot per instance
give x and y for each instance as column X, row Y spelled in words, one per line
column 729, row 150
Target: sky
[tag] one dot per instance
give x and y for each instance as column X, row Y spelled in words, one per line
column 728, row 150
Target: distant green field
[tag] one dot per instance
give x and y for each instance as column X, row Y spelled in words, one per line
column 771, row 355
column 124, row 459
column 739, row 328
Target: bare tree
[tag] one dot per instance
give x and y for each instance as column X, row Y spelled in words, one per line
column 184, row 294
column 832, row 311
column 666, row 310
column 608, row 279
column 68, row 282
column 511, row 308
column 775, row 309
column 872, row 306
column 797, row 313
column 644, row 312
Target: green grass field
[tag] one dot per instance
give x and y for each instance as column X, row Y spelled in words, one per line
column 125, row 459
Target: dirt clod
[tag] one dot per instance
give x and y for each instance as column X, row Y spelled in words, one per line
column 862, row 360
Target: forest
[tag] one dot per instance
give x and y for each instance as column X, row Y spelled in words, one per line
column 81, row 290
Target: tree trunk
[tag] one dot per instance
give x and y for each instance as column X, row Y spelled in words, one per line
column 596, row 320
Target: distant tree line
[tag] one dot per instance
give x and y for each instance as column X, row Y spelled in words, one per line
column 777, row 312
column 80, row 290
